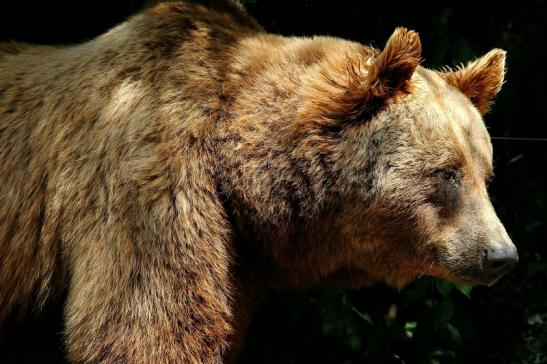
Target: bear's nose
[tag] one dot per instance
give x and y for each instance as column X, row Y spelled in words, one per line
column 500, row 258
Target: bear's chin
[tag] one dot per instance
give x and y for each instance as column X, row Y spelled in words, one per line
column 351, row 278
column 474, row 278
column 358, row 279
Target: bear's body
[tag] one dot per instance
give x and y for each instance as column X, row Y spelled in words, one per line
column 167, row 172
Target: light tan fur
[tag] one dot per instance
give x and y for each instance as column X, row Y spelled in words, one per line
column 169, row 171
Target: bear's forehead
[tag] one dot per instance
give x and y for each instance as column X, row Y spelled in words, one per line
column 447, row 101
column 446, row 110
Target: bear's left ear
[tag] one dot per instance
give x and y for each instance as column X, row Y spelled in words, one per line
column 393, row 68
column 481, row 79
column 389, row 74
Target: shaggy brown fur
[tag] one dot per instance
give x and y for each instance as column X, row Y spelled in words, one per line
column 169, row 171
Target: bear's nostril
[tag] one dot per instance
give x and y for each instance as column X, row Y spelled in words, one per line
column 497, row 264
column 499, row 257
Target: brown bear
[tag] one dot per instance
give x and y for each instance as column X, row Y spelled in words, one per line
column 167, row 172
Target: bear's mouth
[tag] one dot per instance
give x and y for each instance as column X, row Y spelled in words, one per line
column 476, row 281
column 487, row 279
column 475, row 268
column 475, row 276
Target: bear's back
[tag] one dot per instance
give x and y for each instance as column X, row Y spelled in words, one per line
column 70, row 116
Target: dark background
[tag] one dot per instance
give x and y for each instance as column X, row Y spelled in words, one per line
column 429, row 321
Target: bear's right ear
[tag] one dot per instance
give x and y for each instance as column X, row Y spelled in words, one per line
column 481, row 79
column 392, row 69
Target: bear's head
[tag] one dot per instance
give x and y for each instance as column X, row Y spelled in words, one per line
column 352, row 165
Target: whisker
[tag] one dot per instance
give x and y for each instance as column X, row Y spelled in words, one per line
column 520, row 139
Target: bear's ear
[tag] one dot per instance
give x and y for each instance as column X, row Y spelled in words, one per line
column 387, row 75
column 391, row 71
column 480, row 80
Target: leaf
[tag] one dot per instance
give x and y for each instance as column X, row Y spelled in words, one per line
column 419, row 290
column 454, row 333
column 355, row 343
column 443, row 287
column 516, row 158
column 365, row 316
column 441, row 353
column 535, row 319
column 443, row 313
column 464, row 289
column 410, row 328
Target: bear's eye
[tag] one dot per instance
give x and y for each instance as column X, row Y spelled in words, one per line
column 447, row 192
column 450, row 175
